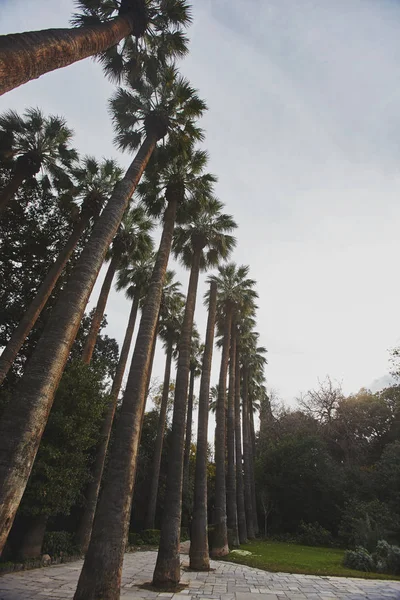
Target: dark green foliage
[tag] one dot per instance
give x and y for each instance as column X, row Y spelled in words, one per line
column 147, row 537
column 364, row 523
column 312, row 534
column 59, row 543
column 387, row 558
column 359, row 559
column 62, row 465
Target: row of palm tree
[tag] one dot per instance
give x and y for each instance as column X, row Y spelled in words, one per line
column 155, row 112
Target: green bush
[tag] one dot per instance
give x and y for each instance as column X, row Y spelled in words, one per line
column 147, row 537
column 387, row 558
column 313, row 534
column 57, row 543
column 184, row 534
column 365, row 523
column 359, row 559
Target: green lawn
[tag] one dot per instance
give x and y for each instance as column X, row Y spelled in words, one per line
column 293, row 558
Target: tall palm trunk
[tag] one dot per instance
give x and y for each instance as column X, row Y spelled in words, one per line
column 102, row 569
column 248, row 496
column 220, row 536
column 231, row 474
column 26, row 56
column 92, row 492
column 155, row 469
column 199, row 557
column 25, row 418
column 90, row 343
column 186, row 456
column 36, row 306
column 8, row 192
column 252, row 435
column 167, row 569
column 241, row 510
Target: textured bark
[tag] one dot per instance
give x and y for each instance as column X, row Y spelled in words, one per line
column 186, row 456
column 32, row 541
column 26, row 56
column 252, row 440
column 155, row 469
column 231, row 473
column 90, row 343
column 36, row 306
column 241, row 510
column 92, row 492
column 25, row 418
column 220, row 536
column 100, row 578
column 167, row 569
column 8, row 192
column 248, row 496
column 199, row 557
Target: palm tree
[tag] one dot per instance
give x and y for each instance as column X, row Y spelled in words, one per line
column 199, row 557
column 134, row 278
column 131, row 243
column 200, row 244
column 241, row 509
column 102, row 568
column 196, row 352
column 234, row 291
column 25, row 418
column 231, row 505
column 101, row 25
column 94, row 182
column 171, row 315
column 36, row 143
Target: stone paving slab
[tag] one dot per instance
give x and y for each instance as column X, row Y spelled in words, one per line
column 227, row 582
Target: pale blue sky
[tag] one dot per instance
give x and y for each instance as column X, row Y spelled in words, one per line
column 304, row 134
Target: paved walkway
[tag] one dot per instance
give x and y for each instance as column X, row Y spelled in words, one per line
column 228, row 582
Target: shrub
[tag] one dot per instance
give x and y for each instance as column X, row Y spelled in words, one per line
column 184, row 534
column 135, row 539
column 365, row 523
column 359, row 559
column 150, row 537
column 387, row 558
column 57, row 543
column 313, row 534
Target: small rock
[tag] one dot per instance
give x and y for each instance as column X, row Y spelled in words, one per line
column 46, row 560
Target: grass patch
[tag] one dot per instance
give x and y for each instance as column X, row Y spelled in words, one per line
column 294, row 558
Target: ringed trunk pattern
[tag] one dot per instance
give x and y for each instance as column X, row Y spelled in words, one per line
column 90, row 343
column 231, row 474
column 186, row 457
column 155, row 470
column 167, row 569
column 100, row 578
column 252, row 440
column 92, row 492
column 25, row 418
column 241, row 510
column 220, row 536
column 26, row 56
column 199, row 556
column 36, row 306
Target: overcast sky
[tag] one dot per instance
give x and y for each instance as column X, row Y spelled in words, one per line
column 303, row 131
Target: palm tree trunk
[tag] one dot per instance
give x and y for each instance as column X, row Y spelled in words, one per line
column 90, row 343
column 167, row 569
column 25, row 418
column 186, row 457
column 241, row 511
column 220, row 537
column 248, row 496
column 26, row 56
column 8, row 192
column 199, row 557
column 155, row 470
column 32, row 542
column 231, row 474
column 36, row 306
column 102, row 569
column 252, row 440
column 92, row 492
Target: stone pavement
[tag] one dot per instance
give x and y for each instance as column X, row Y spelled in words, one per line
column 228, row 582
